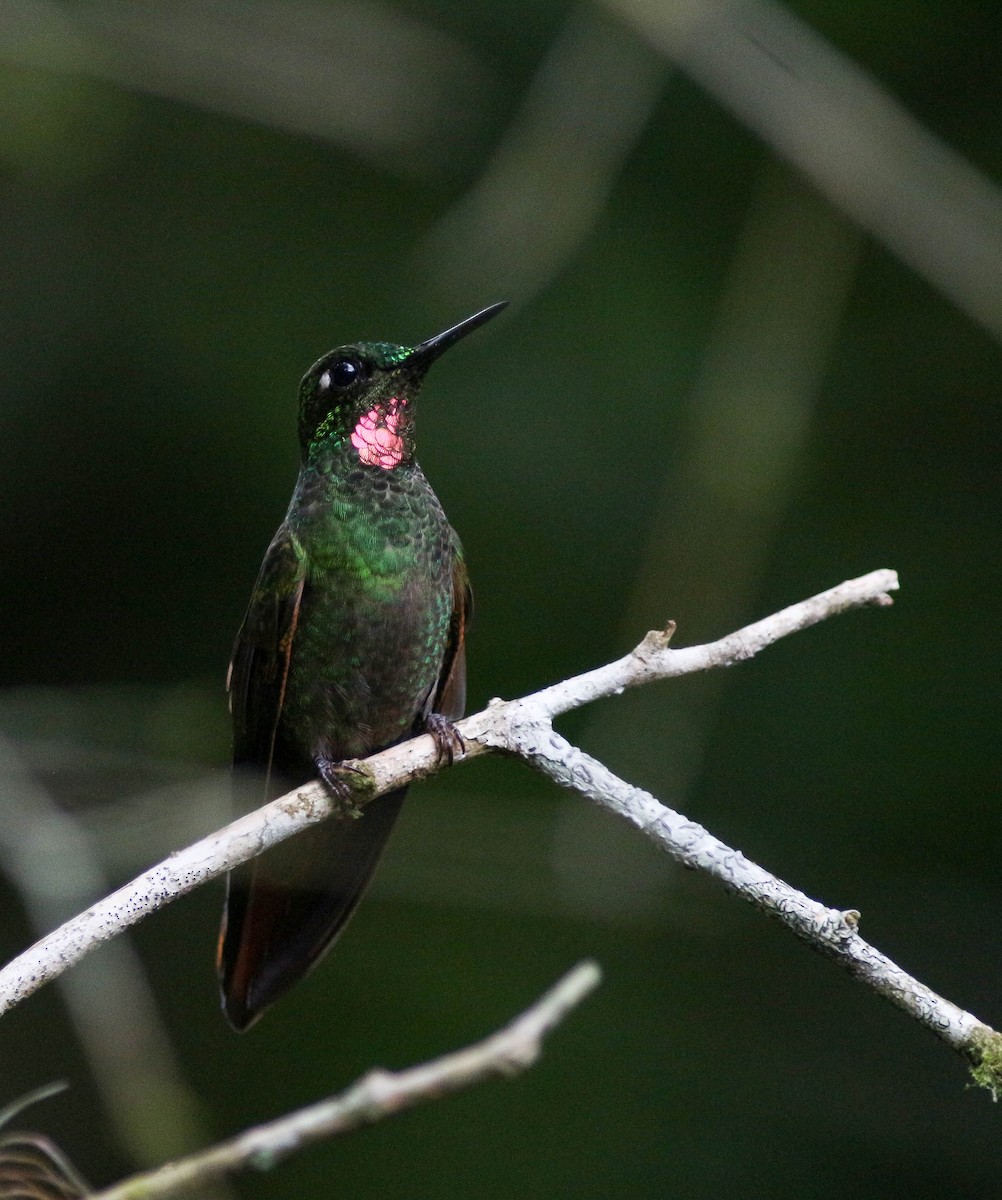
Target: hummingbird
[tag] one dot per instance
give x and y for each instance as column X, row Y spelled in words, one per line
column 353, row 640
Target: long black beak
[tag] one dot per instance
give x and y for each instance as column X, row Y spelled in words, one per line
column 424, row 355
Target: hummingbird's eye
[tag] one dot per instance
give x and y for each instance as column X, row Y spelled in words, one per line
column 342, row 373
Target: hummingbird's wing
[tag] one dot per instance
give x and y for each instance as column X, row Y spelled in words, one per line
column 450, row 696
column 262, row 917
column 259, row 668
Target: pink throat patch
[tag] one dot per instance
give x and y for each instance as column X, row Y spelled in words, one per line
column 376, row 437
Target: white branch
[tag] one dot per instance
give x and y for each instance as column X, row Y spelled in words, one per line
column 833, row 933
column 523, row 728
column 377, row 1095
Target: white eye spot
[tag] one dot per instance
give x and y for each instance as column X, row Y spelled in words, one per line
column 324, row 382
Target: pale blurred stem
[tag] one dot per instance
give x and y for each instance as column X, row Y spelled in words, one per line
column 109, row 1000
column 376, row 1096
column 833, row 122
column 524, row 728
column 741, row 445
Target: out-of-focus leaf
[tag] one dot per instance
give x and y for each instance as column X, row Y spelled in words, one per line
column 31, row 1166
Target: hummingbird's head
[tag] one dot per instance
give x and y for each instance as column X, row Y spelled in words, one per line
column 362, row 396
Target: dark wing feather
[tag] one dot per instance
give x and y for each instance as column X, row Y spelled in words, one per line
column 259, row 671
column 259, row 668
column 450, row 696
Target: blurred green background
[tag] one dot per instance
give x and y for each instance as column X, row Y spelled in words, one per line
column 753, row 256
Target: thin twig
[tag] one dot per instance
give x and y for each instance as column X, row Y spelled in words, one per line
column 377, row 1095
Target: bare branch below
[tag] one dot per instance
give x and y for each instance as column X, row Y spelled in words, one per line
column 377, row 1095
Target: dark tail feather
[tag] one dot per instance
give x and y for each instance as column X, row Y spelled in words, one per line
column 285, row 909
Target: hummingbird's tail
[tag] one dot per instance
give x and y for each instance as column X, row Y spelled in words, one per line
column 285, row 909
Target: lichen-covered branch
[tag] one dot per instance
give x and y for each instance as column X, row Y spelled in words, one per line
column 523, row 728
column 834, row 934
column 376, row 1096
column 187, row 869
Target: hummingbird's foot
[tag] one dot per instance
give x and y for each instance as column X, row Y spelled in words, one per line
column 448, row 740
column 332, row 773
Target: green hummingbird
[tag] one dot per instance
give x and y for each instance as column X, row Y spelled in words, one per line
column 353, row 640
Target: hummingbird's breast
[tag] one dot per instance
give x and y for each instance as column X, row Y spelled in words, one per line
column 373, row 627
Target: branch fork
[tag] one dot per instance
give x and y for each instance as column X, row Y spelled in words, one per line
column 523, row 728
